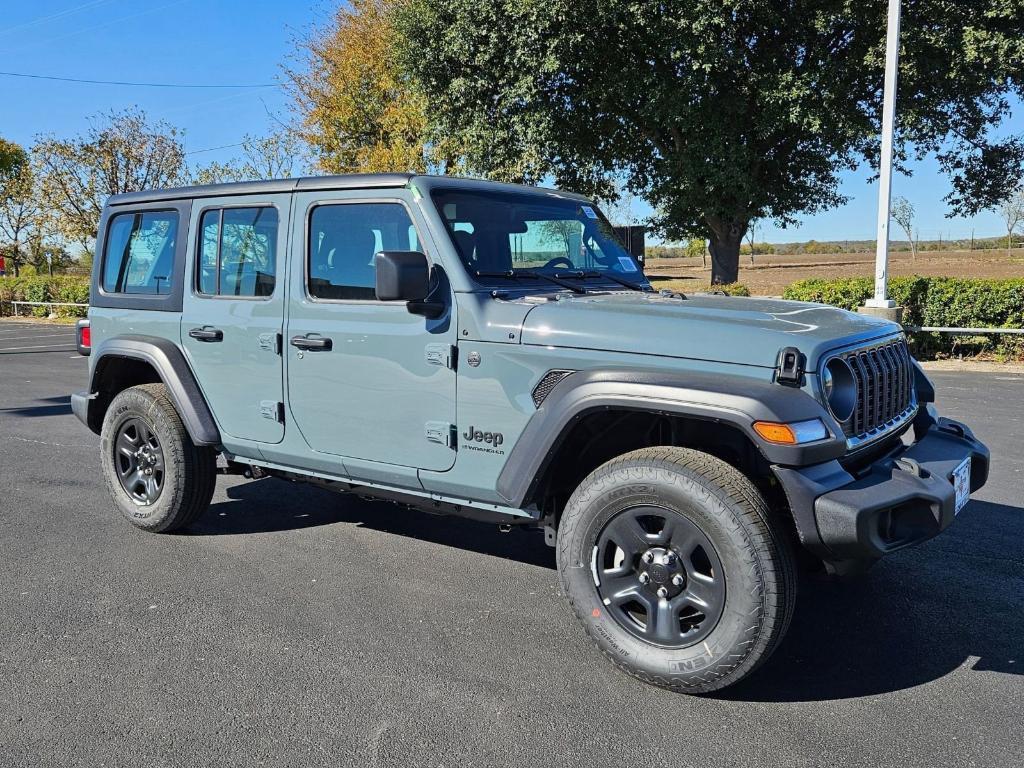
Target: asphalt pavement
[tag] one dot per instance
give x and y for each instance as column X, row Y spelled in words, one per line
column 295, row 627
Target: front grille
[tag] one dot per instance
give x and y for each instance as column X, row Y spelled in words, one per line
column 885, row 386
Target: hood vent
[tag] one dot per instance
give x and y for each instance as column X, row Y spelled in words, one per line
column 548, row 382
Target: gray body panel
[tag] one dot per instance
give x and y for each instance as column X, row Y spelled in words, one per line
column 441, row 410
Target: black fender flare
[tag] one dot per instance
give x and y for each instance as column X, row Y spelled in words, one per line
column 737, row 400
column 167, row 360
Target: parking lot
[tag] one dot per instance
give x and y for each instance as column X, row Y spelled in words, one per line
column 292, row 626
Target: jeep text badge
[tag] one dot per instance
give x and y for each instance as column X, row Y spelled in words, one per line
column 492, row 439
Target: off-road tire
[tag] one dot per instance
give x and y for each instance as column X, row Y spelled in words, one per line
column 189, row 471
column 760, row 579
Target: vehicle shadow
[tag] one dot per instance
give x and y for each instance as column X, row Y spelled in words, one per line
column 271, row 505
column 915, row 617
column 59, row 406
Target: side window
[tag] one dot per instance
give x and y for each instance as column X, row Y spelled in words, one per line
column 139, row 253
column 236, row 253
column 343, row 239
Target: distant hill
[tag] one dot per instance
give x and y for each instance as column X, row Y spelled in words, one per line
column 841, row 246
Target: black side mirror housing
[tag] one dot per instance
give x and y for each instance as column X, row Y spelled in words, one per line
column 402, row 275
column 405, row 276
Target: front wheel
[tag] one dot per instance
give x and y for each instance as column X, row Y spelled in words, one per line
column 159, row 479
column 670, row 560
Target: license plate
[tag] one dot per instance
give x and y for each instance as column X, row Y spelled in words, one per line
column 962, row 484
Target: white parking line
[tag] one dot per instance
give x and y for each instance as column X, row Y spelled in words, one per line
column 33, row 346
column 37, row 336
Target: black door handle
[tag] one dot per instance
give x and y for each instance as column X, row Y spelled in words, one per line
column 207, row 334
column 316, row 344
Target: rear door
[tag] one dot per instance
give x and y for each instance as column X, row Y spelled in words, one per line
column 233, row 311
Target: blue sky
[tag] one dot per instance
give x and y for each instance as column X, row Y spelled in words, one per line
column 246, row 41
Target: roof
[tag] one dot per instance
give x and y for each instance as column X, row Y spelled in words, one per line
column 343, row 181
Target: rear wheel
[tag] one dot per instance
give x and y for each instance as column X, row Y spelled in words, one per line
column 670, row 560
column 159, row 479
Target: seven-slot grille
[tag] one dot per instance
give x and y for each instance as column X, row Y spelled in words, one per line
column 885, row 385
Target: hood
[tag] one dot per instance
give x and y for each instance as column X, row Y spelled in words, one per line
column 729, row 329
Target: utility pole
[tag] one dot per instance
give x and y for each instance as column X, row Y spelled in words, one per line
column 881, row 304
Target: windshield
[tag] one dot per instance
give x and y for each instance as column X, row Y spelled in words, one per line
column 501, row 234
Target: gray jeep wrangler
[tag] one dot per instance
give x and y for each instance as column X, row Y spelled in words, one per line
column 492, row 351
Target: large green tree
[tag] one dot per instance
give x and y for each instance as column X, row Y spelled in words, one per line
column 718, row 111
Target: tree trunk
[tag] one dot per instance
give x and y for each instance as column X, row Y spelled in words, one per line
column 724, row 244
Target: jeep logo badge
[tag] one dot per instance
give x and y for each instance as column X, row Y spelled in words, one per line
column 492, row 439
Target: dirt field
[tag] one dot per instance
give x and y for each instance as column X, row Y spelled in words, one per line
column 770, row 274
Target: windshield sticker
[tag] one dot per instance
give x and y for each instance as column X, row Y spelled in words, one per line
column 588, row 212
column 627, row 264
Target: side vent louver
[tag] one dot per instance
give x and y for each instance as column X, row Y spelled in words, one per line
column 548, row 382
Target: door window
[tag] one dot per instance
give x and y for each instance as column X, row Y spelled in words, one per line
column 237, row 254
column 343, row 240
column 139, row 257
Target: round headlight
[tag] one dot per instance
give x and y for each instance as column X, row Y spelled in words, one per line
column 839, row 388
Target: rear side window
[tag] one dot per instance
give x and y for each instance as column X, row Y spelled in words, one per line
column 343, row 240
column 237, row 252
column 139, row 256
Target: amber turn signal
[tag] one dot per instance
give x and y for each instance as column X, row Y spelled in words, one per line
column 791, row 434
column 775, row 433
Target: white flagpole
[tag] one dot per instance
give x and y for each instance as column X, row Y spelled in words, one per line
column 892, row 53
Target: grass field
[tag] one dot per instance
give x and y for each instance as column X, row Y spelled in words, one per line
column 769, row 275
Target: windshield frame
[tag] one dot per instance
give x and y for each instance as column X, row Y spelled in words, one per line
column 533, row 278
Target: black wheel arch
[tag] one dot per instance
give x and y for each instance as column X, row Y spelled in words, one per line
column 735, row 402
column 127, row 360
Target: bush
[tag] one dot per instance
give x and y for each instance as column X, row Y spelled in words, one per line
column 42, row 288
column 936, row 301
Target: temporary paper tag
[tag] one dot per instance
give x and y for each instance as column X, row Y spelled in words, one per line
column 588, row 212
column 627, row 264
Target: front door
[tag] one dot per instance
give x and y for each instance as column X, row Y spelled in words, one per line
column 366, row 379
column 233, row 311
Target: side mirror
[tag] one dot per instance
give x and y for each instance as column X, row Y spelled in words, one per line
column 405, row 276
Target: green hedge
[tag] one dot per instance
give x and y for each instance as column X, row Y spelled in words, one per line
column 63, row 288
column 936, row 301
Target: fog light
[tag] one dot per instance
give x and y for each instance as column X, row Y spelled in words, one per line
column 796, row 433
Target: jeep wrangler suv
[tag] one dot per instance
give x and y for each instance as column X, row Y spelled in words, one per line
column 492, row 351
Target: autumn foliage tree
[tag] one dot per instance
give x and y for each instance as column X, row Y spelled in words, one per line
column 356, row 110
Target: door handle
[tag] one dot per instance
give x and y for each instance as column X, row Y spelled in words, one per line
column 207, row 334
column 315, row 344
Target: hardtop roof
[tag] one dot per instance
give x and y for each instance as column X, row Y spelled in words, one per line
column 303, row 183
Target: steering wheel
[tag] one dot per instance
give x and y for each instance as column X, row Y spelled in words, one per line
column 560, row 261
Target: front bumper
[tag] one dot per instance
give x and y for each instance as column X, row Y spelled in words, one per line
column 904, row 497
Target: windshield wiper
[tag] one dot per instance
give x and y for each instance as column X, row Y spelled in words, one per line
column 615, row 279
column 515, row 274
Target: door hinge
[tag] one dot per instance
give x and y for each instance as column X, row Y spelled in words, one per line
column 441, row 354
column 272, row 409
column 441, row 432
column 279, row 344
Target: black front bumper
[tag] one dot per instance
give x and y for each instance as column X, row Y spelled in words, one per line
column 845, row 514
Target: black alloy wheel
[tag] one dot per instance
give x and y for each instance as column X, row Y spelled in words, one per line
column 659, row 576
column 139, row 461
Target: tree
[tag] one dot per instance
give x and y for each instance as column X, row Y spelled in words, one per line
column 719, row 111
column 19, row 207
column 1012, row 211
column 12, row 159
column 903, row 214
column 121, row 152
column 276, row 156
column 356, row 110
